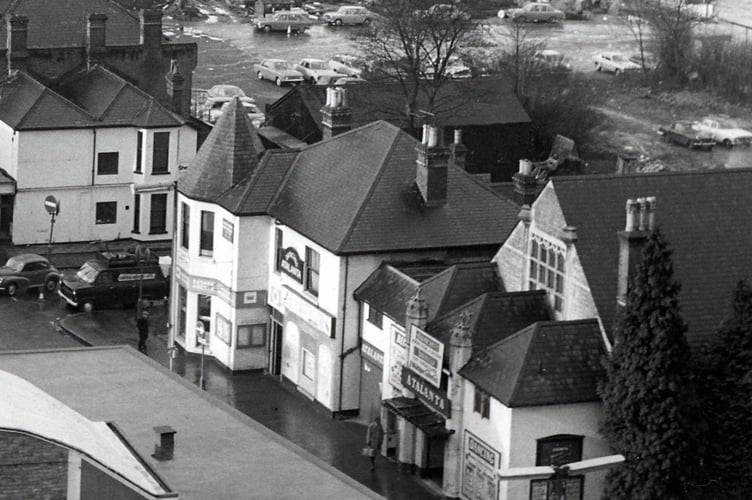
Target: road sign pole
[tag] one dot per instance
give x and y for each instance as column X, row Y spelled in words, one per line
column 52, row 205
column 201, row 377
column 49, row 241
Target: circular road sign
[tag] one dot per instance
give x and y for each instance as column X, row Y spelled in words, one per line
column 52, row 205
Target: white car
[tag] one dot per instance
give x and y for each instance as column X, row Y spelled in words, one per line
column 278, row 71
column 725, row 133
column 349, row 14
column 455, row 68
column 317, row 71
column 347, row 64
column 614, row 62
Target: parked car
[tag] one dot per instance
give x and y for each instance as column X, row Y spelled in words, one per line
column 347, row 64
column 687, row 133
column 647, row 59
column 455, row 68
column 317, row 71
column 278, row 71
column 314, row 8
column 535, row 12
column 726, row 134
column 28, row 271
column 614, row 62
column 444, row 12
column 348, row 80
column 217, row 97
column 349, row 14
column 114, row 280
column 552, row 61
column 254, row 113
column 297, row 22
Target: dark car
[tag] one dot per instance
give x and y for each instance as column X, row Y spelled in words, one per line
column 28, row 271
column 115, row 280
column 687, row 133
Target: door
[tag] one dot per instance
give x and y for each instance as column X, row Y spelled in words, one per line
column 275, row 343
column 6, row 215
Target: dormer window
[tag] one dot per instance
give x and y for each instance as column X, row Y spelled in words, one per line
column 547, row 269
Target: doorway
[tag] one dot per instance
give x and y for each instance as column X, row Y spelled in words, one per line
column 275, row 342
column 6, row 215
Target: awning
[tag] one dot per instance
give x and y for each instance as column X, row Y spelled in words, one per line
column 419, row 415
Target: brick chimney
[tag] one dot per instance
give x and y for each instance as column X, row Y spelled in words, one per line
column 525, row 184
column 151, row 30
column 457, row 150
column 431, row 175
column 96, row 39
column 336, row 114
column 164, row 448
column 176, row 90
column 640, row 223
column 17, row 42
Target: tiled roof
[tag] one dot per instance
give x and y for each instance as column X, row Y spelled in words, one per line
column 465, row 102
column 254, row 193
column 377, row 207
column 228, row 156
column 493, row 316
column 705, row 216
column 547, row 363
column 387, row 290
column 62, row 23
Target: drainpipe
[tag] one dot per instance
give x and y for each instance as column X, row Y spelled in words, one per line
column 93, row 155
column 342, row 353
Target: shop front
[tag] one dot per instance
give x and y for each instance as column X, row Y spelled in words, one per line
column 371, row 376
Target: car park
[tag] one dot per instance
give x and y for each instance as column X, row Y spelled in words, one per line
column 687, row 133
column 349, row 65
column 278, row 71
column 725, row 133
column 28, row 271
column 295, row 22
column 614, row 62
column 114, row 280
column 317, row 71
column 349, row 15
column 535, row 12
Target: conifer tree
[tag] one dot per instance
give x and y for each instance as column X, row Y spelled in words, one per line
column 648, row 399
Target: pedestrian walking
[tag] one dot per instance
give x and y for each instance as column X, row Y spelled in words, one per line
column 143, row 330
column 374, row 437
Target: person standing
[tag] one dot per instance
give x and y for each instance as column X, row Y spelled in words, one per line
column 374, row 437
column 143, row 330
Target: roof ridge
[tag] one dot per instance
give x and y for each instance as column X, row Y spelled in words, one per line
column 533, row 334
column 454, row 311
column 402, row 274
column 681, row 173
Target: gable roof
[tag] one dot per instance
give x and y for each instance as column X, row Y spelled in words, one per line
column 549, row 362
column 69, row 18
column 459, row 103
column 377, row 206
column 705, row 216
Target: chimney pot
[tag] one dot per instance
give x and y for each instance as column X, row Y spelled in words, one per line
column 424, row 137
column 642, row 203
column 458, row 136
column 631, row 208
column 164, row 448
column 433, row 136
column 336, row 115
column 651, row 212
column 526, row 167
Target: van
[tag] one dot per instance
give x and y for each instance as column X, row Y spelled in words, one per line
column 114, row 280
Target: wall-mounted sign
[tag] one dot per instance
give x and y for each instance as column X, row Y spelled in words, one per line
column 434, row 398
column 479, row 478
column 228, row 230
column 425, row 356
column 399, row 357
column 223, row 329
column 375, row 356
column 291, row 264
column 283, row 299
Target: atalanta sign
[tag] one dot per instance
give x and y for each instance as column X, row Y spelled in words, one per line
column 291, row 264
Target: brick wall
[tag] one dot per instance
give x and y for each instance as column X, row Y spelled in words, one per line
column 31, row 468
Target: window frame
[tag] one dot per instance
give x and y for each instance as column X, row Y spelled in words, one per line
column 375, row 317
column 185, row 226
column 250, row 344
column 278, row 246
column 160, row 153
column 111, row 205
column 108, row 154
column 312, row 273
column 158, row 229
column 140, row 152
column 482, row 403
column 547, row 268
column 136, row 213
column 206, row 235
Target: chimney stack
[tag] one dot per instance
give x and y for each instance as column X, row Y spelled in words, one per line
column 640, row 223
column 457, row 150
column 151, row 30
column 525, row 184
column 17, row 52
column 336, row 115
column 433, row 161
column 179, row 101
column 96, row 39
column 164, row 448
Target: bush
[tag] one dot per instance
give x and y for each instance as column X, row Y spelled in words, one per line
column 725, row 67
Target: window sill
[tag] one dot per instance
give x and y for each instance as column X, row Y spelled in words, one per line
column 139, row 172
column 135, row 231
column 103, row 223
column 160, row 173
column 108, row 173
column 260, row 346
column 158, row 232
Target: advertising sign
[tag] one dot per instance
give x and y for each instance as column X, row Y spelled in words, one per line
column 426, row 356
column 228, row 230
column 434, row 398
column 479, row 480
column 398, row 358
column 291, row 264
column 372, row 354
column 223, row 329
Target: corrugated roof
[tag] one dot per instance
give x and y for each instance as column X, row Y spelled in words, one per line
column 705, row 216
column 550, row 362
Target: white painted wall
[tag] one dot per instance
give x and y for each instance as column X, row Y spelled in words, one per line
column 8, row 150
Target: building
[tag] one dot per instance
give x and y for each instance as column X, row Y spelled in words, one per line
column 280, row 251
column 217, row 452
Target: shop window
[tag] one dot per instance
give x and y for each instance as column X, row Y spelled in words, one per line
column 277, row 249
column 206, row 247
column 107, row 163
column 375, row 317
column 251, row 335
column 106, row 212
column 204, row 311
column 312, row 264
column 185, row 235
column 547, row 269
column 182, row 310
column 158, row 216
column 136, row 213
column 558, row 450
column 482, row 403
column 309, row 364
column 161, row 153
column 140, row 152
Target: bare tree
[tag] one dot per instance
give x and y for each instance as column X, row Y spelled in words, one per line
column 518, row 58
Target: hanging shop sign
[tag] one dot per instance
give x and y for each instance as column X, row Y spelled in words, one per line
column 479, row 478
column 283, row 299
column 426, row 356
column 398, row 359
column 291, row 264
column 434, row 398
column 369, row 352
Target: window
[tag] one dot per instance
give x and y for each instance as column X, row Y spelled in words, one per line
column 309, row 365
column 375, row 317
column 158, row 218
column 312, row 265
column 482, row 403
column 136, row 213
column 547, row 269
column 251, row 335
column 277, row 248
column 139, row 151
column 106, row 212
column 185, row 235
column 107, row 163
column 558, row 450
column 182, row 310
column 161, row 154
column 204, row 311
column 206, row 247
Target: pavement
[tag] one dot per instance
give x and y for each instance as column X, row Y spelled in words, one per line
column 262, row 397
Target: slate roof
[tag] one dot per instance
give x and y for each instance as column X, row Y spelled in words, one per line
column 547, row 363
column 493, row 316
column 356, row 193
column 222, row 170
column 460, row 103
column 705, row 216
column 69, row 18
